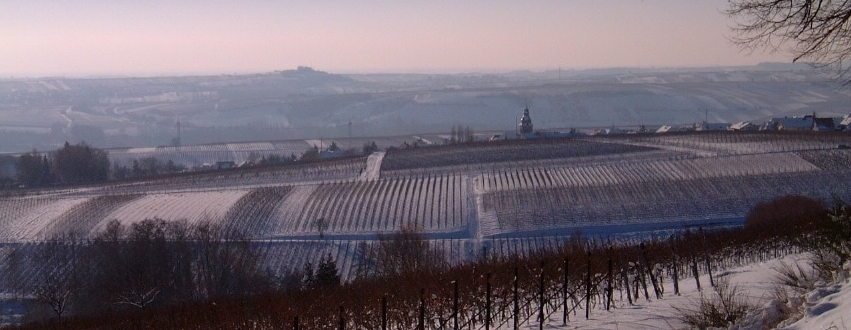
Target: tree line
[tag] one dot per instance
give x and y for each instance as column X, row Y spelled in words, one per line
column 149, row 264
column 82, row 164
column 404, row 282
column 72, row 164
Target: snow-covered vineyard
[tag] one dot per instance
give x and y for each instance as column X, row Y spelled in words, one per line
column 506, row 198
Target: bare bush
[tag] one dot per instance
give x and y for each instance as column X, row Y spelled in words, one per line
column 405, row 252
column 151, row 263
column 796, row 277
column 726, row 304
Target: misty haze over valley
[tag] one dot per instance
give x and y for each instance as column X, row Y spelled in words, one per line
column 309, row 104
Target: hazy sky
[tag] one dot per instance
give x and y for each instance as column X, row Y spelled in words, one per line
column 123, row 37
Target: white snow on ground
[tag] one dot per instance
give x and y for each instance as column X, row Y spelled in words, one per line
column 26, row 226
column 373, row 167
column 192, row 207
column 827, row 307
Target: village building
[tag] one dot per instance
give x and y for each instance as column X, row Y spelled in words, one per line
column 844, row 123
column 224, row 165
column 744, row 126
column 705, row 126
column 525, row 122
column 806, row 123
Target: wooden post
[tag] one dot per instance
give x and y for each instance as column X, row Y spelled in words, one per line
column 295, row 323
column 565, row 315
column 455, row 306
column 516, row 301
column 646, row 262
column 676, row 276
column 694, row 268
column 342, row 318
column 609, row 287
column 384, row 312
column 588, row 286
column 488, row 303
column 706, row 258
column 625, row 277
column 541, row 302
column 642, row 278
column 421, row 324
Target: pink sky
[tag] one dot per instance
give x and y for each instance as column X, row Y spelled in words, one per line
column 92, row 37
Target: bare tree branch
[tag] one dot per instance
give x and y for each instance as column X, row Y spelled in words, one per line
column 815, row 31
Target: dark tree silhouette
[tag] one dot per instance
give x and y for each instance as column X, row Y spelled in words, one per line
column 326, row 272
column 80, row 164
column 33, row 169
column 816, row 31
column 406, row 252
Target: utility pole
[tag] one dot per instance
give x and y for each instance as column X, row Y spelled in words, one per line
column 178, row 133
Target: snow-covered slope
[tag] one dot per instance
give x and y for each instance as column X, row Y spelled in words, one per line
column 826, row 307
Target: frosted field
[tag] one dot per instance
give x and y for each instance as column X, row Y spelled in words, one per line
column 465, row 199
column 190, row 207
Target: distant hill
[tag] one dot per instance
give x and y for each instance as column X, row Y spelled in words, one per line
column 310, row 104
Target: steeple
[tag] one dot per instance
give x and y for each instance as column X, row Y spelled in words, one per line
column 526, row 122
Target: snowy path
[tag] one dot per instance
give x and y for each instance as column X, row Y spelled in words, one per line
column 373, row 167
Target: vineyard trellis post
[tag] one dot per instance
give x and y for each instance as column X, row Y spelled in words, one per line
column 646, row 262
column 642, row 278
column 588, row 286
column 694, row 266
column 625, row 277
column 342, row 318
column 295, row 323
column 384, row 312
column 675, row 274
column 706, row 257
column 609, row 290
column 516, row 301
column 455, row 305
column 488, row 301
column 541, row 316
column 421, row 319
column 565, row 315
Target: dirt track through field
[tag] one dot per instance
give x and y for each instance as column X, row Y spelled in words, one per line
column 373, row 167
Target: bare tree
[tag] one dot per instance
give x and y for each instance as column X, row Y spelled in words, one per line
column 56, row 293
column 57, row 280
column 226, row 263
column 817, row 31
column 407, row 251
column 321, row 226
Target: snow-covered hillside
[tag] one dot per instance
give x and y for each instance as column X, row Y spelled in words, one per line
column 828, row 306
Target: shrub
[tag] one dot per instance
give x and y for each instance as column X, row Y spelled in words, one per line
column 787, row 216
column 838, row 234
column 724, row 307
column 796, row 277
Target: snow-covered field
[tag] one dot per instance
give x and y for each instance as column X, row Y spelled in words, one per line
column 190, row 207
column 826, row 307
column 517, row 206
column 511, row 206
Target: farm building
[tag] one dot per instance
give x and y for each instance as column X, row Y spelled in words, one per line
column 744, row 126
column 844, row 122
column 223, row 165
column 792, row 123
column 705, row 126
column 805, row 123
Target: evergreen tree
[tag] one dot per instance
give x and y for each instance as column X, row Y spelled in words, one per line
column 33, row 169
column 326, row 272
column 309, row 276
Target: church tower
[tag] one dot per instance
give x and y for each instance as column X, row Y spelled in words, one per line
column 525, row 122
